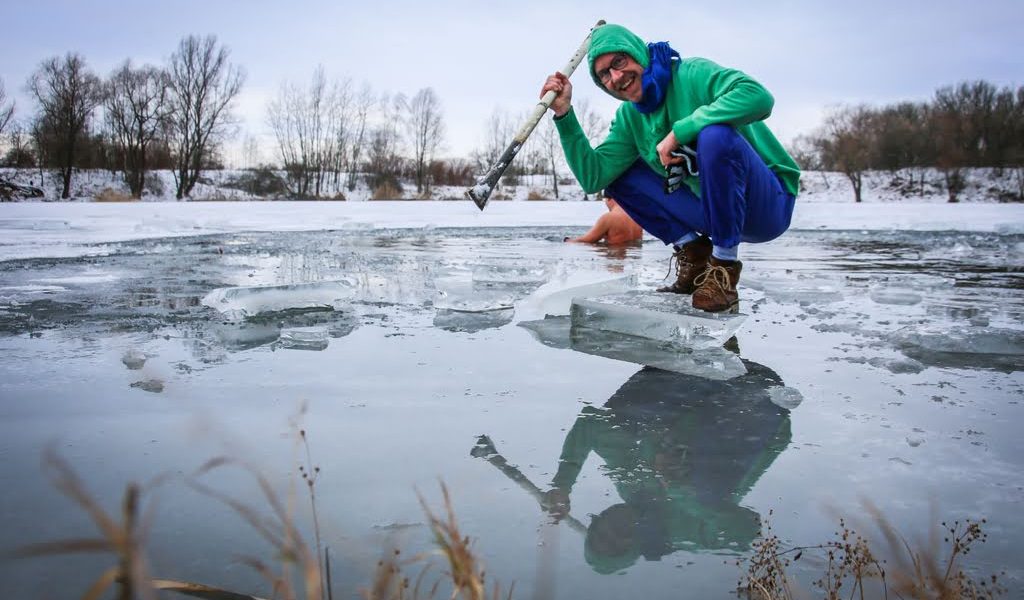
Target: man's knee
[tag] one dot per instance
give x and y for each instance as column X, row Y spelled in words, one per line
column 716, row 139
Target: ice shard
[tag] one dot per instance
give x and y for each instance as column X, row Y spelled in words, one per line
column 238, row 303
column 459, row 294
column 470, row 322
column 994, row 348
column 555, row 297
column 304, row 338
column 661, row 317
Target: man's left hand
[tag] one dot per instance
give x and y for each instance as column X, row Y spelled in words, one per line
column 665, row 147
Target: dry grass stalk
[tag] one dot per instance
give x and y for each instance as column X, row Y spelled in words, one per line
column 123, row 539
column 851, row 563
column 279, row 531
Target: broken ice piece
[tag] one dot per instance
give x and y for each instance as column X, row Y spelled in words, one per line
column 555, row 297
column 717, row 364
column 713, row 363
column 133, row 359
column 304, row 338
column 663, row 317
column 458, row 294
column 238, row 303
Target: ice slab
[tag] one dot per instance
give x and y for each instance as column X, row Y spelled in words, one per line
column 555, row 297
column 471, row 322
column 244, row 336
column 964, row 347
column 963, row 340
column 663, row 317
column 714, row 363
column 459, row 294
column 304, row 338
column 238, row 303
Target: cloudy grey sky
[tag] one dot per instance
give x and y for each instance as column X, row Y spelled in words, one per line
column 483, row 55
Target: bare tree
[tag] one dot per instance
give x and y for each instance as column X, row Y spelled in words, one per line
column 595, row 127
column 384, row 160
column 549, row 148
column 427, row 130
column 6, row 108
column 136, row 103
column 250, row 152
column 362, row 104
column 312, row 128
column 67, row 93
column 847, row 144
column 497, row 136
column 203, row 85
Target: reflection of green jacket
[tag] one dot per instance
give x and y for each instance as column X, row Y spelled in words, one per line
column 702, row 93
column 683, row 452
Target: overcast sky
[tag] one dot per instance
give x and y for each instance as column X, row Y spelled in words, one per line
column 483, row 55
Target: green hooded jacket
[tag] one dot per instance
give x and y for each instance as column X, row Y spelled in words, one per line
column 701, row 93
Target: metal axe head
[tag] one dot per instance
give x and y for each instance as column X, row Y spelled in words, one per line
column 479, row 194
column 484, row 447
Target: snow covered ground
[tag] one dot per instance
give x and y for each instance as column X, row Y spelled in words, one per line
column 882, row 357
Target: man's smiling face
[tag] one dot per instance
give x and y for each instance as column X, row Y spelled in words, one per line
column 620, row 75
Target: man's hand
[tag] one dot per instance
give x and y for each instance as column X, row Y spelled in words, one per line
column 556, row 502
column 665, row 147
column 561, row 86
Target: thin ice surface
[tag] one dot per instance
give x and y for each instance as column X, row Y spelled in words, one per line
column 657, row 316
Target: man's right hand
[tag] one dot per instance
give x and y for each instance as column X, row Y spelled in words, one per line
column 556, row 502
column 561, row 86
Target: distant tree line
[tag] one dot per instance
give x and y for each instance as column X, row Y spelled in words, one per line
column 137, row 119
column 969, row 125
column 329, row 133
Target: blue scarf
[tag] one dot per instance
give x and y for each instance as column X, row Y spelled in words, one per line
column 656, row 77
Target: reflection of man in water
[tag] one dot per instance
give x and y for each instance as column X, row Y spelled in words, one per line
column 682, row 452
column 614, row 227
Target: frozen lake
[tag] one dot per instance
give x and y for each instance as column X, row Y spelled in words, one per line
column 882, row 359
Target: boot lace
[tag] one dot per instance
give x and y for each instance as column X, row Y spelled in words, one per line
column 676, row 262
column 717, row 275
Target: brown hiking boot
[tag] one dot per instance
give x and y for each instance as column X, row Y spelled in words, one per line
column 691, row 260
column 716, row 287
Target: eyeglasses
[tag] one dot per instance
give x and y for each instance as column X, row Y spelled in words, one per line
column 618, row 63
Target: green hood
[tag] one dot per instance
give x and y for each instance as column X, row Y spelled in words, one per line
column 615, row 38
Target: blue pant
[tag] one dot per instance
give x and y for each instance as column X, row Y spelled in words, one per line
column 741, row 200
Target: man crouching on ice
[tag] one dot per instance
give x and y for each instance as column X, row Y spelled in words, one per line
column 688, row 157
